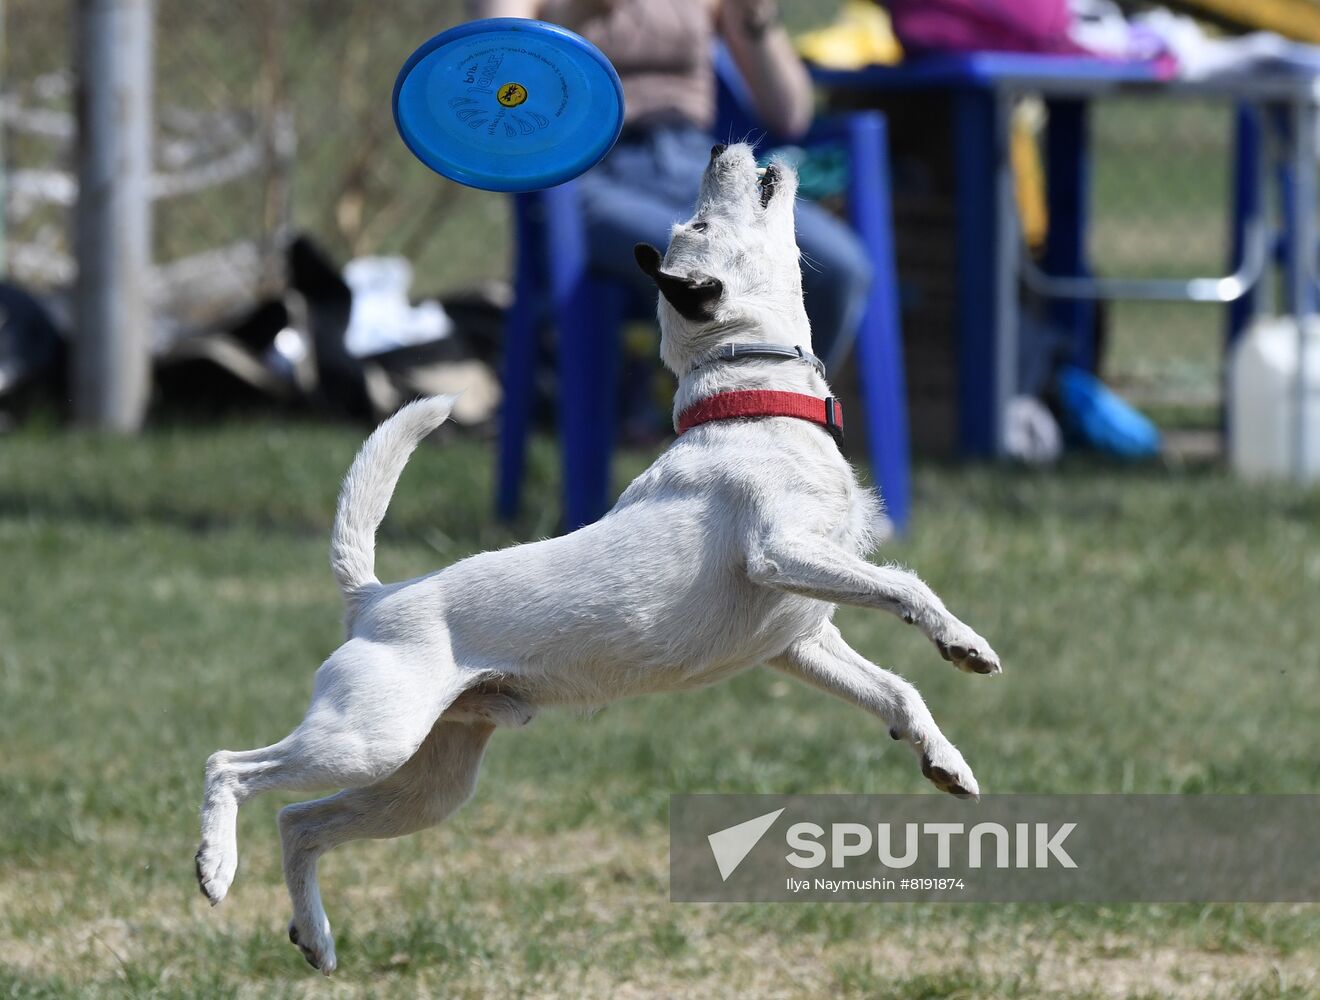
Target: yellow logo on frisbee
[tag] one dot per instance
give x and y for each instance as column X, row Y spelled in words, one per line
column 512, row 94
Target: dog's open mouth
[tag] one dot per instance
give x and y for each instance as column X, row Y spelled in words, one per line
column 766, row 179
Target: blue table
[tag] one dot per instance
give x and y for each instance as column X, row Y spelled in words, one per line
column 990, row 260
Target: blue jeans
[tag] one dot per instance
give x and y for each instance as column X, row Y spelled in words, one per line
column 648, row 183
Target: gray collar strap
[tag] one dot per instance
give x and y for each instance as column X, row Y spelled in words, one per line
column 733, row 352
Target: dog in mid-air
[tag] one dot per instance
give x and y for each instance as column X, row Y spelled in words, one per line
column 732, row 550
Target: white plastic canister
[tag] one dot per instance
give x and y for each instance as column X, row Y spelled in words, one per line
column 1263, row 398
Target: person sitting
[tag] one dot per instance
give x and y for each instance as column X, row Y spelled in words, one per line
column 649, row 181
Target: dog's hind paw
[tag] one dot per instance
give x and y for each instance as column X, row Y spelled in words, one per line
column 318, row 948
column 215, row 871
column 945, row 768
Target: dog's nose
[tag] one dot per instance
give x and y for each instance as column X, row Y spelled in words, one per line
column 717, row 149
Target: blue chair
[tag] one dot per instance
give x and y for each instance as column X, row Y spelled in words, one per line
column 552, row 284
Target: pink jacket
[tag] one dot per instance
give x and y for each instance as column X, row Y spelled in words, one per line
column 983, row 25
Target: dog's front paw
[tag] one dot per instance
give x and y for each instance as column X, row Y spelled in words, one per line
column 945, row 768
column 317, row 947
column 216, row 866
column 967, row 651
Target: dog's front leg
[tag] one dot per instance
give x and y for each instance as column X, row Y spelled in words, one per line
column 815, row 567
column 826, row 661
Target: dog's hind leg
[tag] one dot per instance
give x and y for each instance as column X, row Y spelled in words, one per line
column 371, row 709
column 438, row 779
column 826, row 661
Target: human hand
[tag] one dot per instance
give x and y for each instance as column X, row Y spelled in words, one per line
column 755, row 17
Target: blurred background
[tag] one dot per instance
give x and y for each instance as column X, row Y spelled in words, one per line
column 163, row 591
column 269, row 122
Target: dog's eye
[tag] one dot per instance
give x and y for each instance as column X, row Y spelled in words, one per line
column 698, row 227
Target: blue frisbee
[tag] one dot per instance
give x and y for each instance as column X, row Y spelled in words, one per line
column 508, row 104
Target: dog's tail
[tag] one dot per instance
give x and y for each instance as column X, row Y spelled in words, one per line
column 367, row 489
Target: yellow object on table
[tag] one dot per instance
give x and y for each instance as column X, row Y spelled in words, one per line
column 860, row 36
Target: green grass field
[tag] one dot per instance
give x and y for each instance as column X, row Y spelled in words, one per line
column 168, row 596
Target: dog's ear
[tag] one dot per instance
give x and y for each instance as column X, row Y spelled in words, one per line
column 694, row 297
column 647, row 257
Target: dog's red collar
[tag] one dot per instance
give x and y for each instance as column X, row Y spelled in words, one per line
column 828, row 412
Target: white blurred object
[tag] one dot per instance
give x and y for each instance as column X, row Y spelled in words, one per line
column 286, row 353
column 383, row 318
column 476, row 386
column 1264, row 401
column 1031, row 434
column 1101, row 27
column 1201, row 55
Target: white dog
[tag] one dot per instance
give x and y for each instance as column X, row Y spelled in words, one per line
column 731, row 550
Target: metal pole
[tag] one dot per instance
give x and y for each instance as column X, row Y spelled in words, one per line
column 113, row 216
column 1302, row 292
column 1007, row 252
